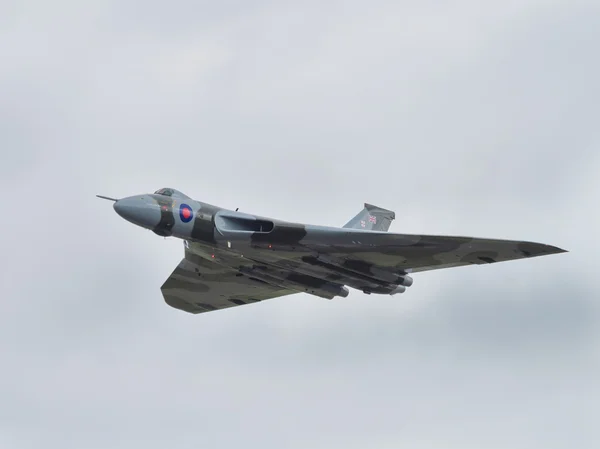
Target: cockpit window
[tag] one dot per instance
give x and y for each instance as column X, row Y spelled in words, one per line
column 171, row 192
column 165, row 192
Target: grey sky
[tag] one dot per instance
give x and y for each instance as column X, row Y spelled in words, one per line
column 466, row 118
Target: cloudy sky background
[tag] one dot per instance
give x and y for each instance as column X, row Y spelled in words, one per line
column 466, row 118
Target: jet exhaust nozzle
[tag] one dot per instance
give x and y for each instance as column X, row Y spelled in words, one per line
column 405, row 280
column 398, row 289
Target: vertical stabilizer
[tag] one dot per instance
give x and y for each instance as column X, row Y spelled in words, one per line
column 372, row 218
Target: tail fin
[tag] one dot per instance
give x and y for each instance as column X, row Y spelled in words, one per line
column 372, row 218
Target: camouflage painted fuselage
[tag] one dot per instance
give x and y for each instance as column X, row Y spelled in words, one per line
column 234, row 258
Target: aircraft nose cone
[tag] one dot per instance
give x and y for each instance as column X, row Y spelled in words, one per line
column 139, row 210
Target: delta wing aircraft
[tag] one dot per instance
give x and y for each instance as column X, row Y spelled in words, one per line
column 234, row 258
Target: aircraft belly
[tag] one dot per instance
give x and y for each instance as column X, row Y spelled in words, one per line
column 297, row 266
column 263, row 266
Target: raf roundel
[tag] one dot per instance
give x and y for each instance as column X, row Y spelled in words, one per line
column 185, row 213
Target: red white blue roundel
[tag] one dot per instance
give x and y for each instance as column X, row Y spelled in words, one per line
column 185, row 213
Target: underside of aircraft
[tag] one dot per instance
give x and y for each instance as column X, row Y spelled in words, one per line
column 233, row 258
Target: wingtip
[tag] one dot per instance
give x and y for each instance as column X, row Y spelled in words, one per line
column 531, row 249
column 554, row 250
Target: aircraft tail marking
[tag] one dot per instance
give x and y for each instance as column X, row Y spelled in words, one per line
column 372, row 218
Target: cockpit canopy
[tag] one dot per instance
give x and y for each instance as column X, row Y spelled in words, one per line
column 166, row 191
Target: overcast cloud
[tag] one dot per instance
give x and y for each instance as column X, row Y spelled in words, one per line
column 465, row 117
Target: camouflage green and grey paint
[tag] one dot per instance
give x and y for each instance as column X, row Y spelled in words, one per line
column 234, row 258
